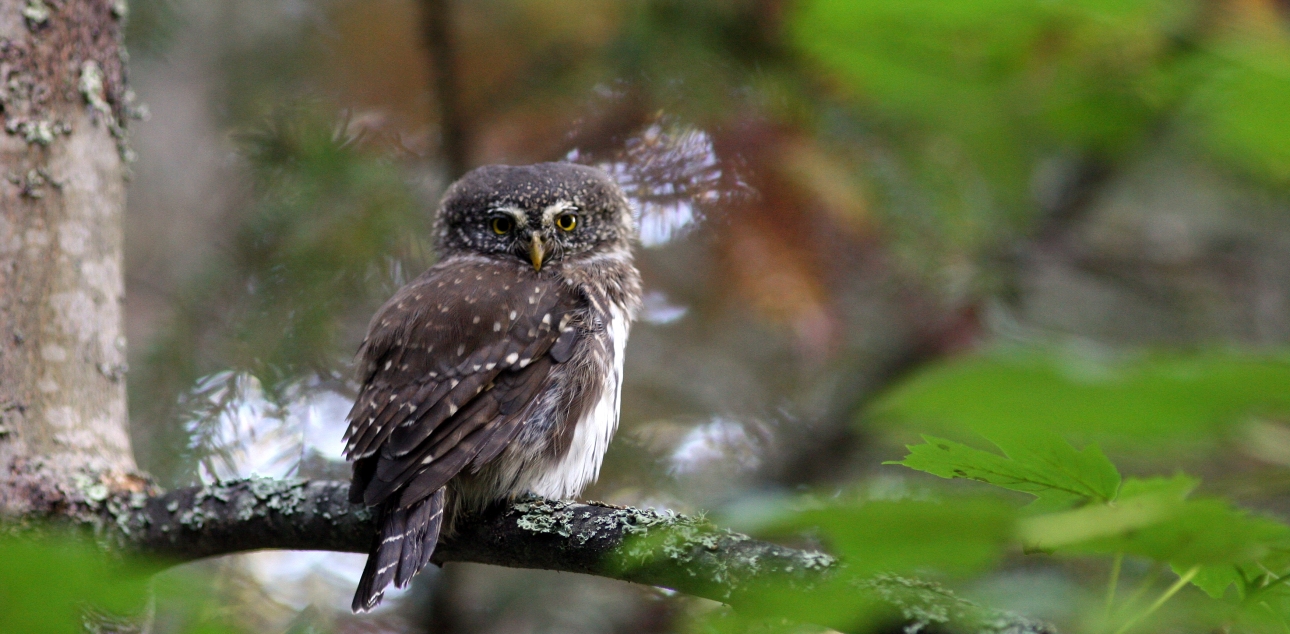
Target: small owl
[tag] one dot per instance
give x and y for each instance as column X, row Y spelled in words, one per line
column 498, row 372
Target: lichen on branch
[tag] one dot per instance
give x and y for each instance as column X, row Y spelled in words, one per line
column 646, row 546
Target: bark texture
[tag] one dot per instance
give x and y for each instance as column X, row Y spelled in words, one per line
column 62, row 196
column 650, row 547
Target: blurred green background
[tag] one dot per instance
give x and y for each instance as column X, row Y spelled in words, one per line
column 861, row 221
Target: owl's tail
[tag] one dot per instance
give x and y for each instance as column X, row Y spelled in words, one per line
column 402, row 547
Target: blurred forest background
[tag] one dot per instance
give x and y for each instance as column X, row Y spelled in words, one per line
column 861, row 220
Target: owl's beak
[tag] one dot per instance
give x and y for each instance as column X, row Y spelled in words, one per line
column 537, row 252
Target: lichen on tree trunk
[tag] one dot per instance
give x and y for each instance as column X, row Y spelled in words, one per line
column 63, row 100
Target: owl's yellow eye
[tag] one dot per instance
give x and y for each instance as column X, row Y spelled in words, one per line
column 567, row 222
column 502, row 225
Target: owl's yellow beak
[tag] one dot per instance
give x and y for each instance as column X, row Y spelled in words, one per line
column 537, row 252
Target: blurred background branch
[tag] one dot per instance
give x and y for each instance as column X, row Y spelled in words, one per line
column 437, row 20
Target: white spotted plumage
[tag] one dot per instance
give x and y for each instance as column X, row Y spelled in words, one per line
column 499, row 371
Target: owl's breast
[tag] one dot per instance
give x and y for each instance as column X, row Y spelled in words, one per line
column 562, row 442
column 566, row 428
column 576, row 463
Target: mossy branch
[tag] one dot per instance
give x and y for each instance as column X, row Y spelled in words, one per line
column 657, row 548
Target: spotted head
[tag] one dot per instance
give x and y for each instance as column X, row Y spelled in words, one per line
column 542, row 214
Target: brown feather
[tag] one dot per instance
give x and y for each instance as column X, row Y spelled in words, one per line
column 486, row 364
column 449, row 465
column 409, row 331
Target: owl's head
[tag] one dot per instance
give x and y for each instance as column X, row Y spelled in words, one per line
column 541, row 213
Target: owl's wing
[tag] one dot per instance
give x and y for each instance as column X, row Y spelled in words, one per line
column 449, row 365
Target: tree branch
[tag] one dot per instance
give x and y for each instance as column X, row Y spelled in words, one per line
column 657, row 548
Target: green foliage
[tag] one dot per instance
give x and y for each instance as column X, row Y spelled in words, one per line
column 1057, row 72
column 58, row 584
column 1240, row 103
column 45, row 585
column 1051, row 470
column 1237, row 561
column 1146, row 517
column 971, row 102
column 954, row 536
column 1183, row 533
column 1208, row 541
column 1158, row 397
column 972, row 96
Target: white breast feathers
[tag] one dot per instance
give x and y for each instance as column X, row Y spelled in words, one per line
column 581, row 465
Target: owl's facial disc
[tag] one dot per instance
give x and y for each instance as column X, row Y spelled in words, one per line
column 540, row 214
column 540, row 235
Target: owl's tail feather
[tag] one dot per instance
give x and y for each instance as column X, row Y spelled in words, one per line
column 402, row 547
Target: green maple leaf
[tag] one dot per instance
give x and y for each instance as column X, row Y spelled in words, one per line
column 1045, row 466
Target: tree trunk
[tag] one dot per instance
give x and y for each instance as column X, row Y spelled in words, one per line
column 63, row 419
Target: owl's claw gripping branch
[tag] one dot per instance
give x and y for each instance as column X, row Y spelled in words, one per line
column 641, row 546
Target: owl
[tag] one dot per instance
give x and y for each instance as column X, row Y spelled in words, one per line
column 498, row 372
